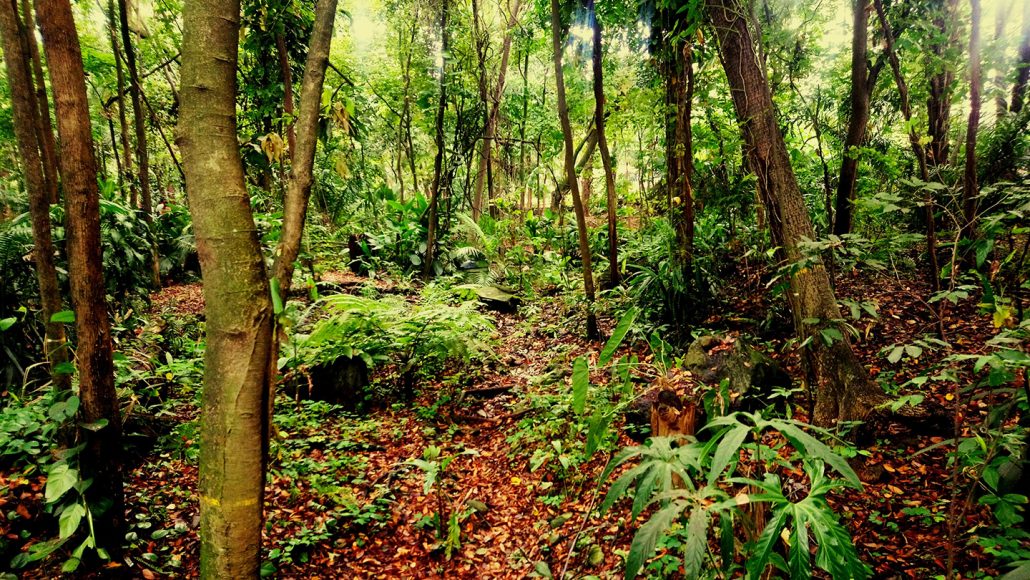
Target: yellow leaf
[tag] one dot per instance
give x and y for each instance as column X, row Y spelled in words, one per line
column 169, row 376
column 516, row 480
column 949, row 397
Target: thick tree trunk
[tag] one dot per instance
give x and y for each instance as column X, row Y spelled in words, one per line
column 15, row 51
column 942, row 83
column 969, row 185
column 101, row 458
column 44, row 130
column 863, row 80
column 602, row 144
column 1023, row 65
column 438, row 178
column 683, row 155
column 142, row 156
column 840, row 386
column 298, row 190
column 234, row 428
column 570, row 173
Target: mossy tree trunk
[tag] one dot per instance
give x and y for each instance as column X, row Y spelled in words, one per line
column 840, row 385
column 238, row 308
column 101, row 457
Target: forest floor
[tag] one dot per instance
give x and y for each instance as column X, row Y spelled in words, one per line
column 346, row 501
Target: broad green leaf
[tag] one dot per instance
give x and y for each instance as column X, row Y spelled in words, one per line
column 800, row 561
column 70, row 519
column 621, row 329
column 913, row 351
column 60, row 479
column 65, row 316
column 896, row 354
column 729, row 447
column 277, row 300
column 764, row 546
column 647, row 537
column 598, row 426
column 696, row 546
column 816, row 449
column 580, row 383
column 6, row 323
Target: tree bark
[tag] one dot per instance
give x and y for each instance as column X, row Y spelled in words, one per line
column 287, row 76
column 441, row 108
column 15, row 50
column 298, row 190
column 584, row 154
column 863, row 81
column 101, row 458
column 44, row 129
column 139, row 122
column 969, row 185
column 602, row 144
column 570, row 173
column 122, row 118
column 839, row 384
column 1023, row 65
column 234, row 427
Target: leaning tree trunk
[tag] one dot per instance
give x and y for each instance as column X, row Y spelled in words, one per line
column 840, row 385
column 863, row 80
column 238, row 306
column 602, row 144
column 969, row 185
column 142, row 156
column 298, row 191
column 438, row 177
column 570, row 173
column 26, row 115
column 101, row 458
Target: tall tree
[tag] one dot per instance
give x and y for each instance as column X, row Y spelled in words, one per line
column 863, row 80
column 570, row 172
column 16, row 57
column 44, row 130
column 969, row 185
column 942, row 80
column 298, row 190
column 438, row 177
column 602, row 144
column 139, row 124
column 1023, row 65
column 101, row 458
column 238, row 306
column 840, row 385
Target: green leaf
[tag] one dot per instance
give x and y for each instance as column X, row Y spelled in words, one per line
column 580, row 383
column 800, row 560
column 913, row 351
column 70, row 519
column 895, row 354
column 764, row 546
column 728, row 449
column 621, row 329
column 65, row 316
column 696, row 546
column 818, row 450
column 598, row 426
column 6, row 323
column 647, row 537
column 60, row 479
column 277, row 300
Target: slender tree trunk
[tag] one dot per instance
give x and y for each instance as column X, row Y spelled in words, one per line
column 299, row 188
column 584, row 154
column 15, row 50
column 942, row 84
column 969, row 185
column 287, row 76
column 840, row 385
column 234, row 428
column 44, row 129
column 684, row 160
column 863, row 80
column 602, row 144
column 570, row 173
column 1023, row 65
column 114, row 27
column 101, row 458
column 441, row 108
column 139, row 122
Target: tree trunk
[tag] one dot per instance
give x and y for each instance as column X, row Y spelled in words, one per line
column 441, row 108
column 298, row 191
column 840, row 386
column 683, row 158
column 969, row 185
column 44, row 130
column 938, row 103
column 863, row 80
column 122, row 117
column 570, row 173
column 15, row 50
column 234, row 428
column 142, row 156
column 287, row 76
column 101, row 458
column 584, row 154
column 602, row 144
column 1023, row 65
